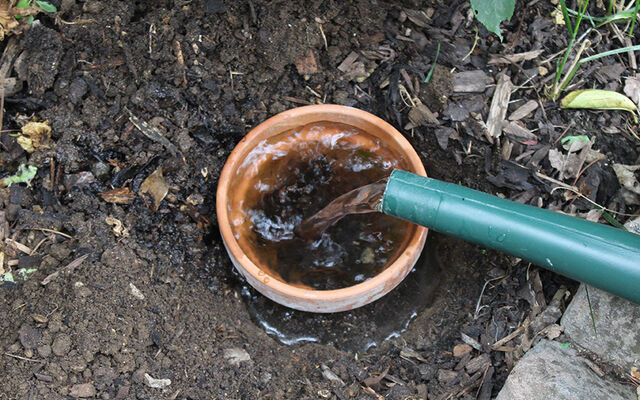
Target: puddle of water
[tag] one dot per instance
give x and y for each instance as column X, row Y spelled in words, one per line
column 356, row 330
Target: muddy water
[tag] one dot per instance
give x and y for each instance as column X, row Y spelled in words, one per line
column 357, row 330
column 334, row 252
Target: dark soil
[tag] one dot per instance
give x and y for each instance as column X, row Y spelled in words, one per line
column 163, row 299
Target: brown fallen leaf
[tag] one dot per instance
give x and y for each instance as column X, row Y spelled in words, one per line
column 307, row 65
column 155, row 187
column 122, row 195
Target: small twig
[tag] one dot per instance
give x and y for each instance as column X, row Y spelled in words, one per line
column 561, row 136
column 50, row 230
column 67, row 269
column 602, row 157
column 38, row 246
column 18, row 245
column 512, row 335
column 473, row 47
column 577, row 192
column 324, row 38
column 22, row 358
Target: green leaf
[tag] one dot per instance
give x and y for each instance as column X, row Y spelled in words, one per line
column 25, row 272
column 23, row 4
column 24, row 175
column 7, row 277
column 570, row 139
column 565, row 345
column 492, row 12
column 46, row 6
column 30, row 19
column 599, row 100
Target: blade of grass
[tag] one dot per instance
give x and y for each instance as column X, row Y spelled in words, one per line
column 593, row 318
column 610, row 53
column 565, row 15
column 433, row 66
column 635, row 16
column 580, row 15
column 613, row 221
column 572, row 72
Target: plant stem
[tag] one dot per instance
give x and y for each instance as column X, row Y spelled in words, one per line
column 433, row 66
column 635, row 16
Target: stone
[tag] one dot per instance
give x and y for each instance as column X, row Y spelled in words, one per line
column 617, row 324
column 461, row 350
column 29, row 336
column 156, row 383
column 61, row 345
column 549, row 371
column 82, row 390
column 236, row 355
column 470, row 81
column 44, row 351
column 101, row 170
column 77, row 89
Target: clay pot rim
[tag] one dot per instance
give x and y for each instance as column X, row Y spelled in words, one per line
column 398, row 267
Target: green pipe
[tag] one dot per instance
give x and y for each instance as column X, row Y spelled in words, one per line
column 597, row 254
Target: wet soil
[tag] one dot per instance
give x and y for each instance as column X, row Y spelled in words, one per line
column 128, row 87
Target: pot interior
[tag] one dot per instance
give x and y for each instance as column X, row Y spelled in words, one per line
column 273, row 160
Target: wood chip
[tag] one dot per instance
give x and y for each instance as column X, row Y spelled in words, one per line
column 517, row 132
column 408, row 353
column 499, row 105
column 524, row 110
column 4, row 226
column 461, row 350
column 331, row 376
column 18, row 246
column 513, row 58
column 374, row 380
column 65, row 270
column 594, row 367
column 418, row 17
column 421, row 115
column 470, row 81
column 348, row 62
column 478, row 363
column 122, row 195
column 470, row 341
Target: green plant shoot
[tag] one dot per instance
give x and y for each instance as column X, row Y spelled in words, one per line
column 25, row 174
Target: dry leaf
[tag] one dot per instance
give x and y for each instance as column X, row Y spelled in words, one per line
column 552, row 331
column 567, row 164
column 156, row 187
column 633, row 225
column 117, row 227
column 632, row 89
column 35, row 135
column 626, row 177
column 122, row 195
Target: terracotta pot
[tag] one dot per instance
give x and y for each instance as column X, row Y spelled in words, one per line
column 234, row 184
